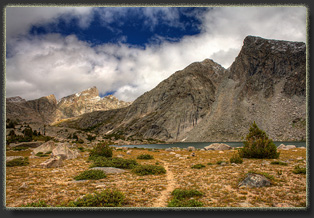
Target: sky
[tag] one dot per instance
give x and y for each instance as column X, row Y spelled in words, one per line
column 127, row 51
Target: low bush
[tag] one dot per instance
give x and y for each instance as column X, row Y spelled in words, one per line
column 198, row 166
column 101, row 149
column 38, row 203
column 145, row 157
column 18, row 162
column 236, row 159
column 19, row 148
column 91, row 175
column 106, row 198
column 185, row 198
column 41, row 154
column 299, row 170
column 185, row 203
column 279, row 163
column 114, row 162
column 143, row 170
column 82, row 149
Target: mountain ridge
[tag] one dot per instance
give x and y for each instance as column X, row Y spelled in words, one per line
column 206, row 102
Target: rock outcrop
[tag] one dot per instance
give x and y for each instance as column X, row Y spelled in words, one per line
column 218, row 147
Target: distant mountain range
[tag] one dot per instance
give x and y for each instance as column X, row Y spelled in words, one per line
column 203, row 102
column 48, row 110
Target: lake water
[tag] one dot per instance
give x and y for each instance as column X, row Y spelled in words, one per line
column 204, row 144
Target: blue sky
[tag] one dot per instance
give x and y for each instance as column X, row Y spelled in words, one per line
column 127, row 51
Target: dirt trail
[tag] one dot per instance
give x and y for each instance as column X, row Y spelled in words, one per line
column 165, row 194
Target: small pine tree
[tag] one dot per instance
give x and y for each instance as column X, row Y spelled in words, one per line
column 258, row 145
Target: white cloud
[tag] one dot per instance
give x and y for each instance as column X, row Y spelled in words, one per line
column 53, row 64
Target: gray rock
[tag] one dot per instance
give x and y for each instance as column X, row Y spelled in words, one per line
column 55, row 161
column 286, row 147
column 66, row 153
column 109, row 170
column 44, row 148
column 9, row 158
column 254, row 180
column 191, row 148
column 26, row 144
column 218, row 146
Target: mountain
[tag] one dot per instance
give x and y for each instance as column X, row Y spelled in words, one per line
column 87, row 101
column 48, row 110
column 205, row 102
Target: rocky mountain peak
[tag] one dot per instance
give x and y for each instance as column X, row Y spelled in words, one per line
column 262, row 63
column 15, row 99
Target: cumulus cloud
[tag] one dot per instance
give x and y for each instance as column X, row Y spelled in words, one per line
column 63, row 65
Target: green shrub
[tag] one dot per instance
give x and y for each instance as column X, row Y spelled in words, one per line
column 19, row 148
column 145, row 157
column 101, row 149
column 114, row 162
column 185, row 198
column 185, row 203
column 82, row 149
column 91, row 175
column 41, row 154
column 236, row 159
column 18, row 162
column 106, row 198
column 209, row 164
column 220, row 162
column 279, row 163
column 258, row 145
column 39, row 203
column 143, row 170
column 299, row 170
column 185, row 193
column 198, row 166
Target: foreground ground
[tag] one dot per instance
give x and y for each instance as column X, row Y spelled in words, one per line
column 26, row 184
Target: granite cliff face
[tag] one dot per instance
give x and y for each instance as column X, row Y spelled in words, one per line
column 205, row 102
column 48, row 110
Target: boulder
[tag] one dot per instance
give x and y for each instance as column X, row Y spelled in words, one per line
column 26, row 144
column 55, row 161
column 129, row 152
column 9, row 158
column 254, row 180
column 66, row 153
column 282, row 146
column 286, row 147
column 191, row 148
column 218, row 146
column 109, row 170
column 44, row 148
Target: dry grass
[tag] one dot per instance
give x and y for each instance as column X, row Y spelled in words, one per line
column 26, row 184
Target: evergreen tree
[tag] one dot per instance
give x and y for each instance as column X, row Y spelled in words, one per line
column 258, row 145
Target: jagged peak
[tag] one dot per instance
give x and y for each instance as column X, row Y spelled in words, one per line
column 15, row 99
column 273, row 44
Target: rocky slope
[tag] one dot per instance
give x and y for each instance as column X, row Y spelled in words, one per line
column 48, row 110
column 205, row 102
